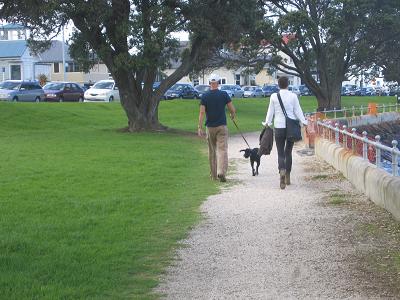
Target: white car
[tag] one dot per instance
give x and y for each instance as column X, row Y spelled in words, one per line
column 103, row 90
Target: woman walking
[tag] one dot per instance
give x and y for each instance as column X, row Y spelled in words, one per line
column 293, row 110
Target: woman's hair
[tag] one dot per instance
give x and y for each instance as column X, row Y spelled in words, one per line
column 283, row 82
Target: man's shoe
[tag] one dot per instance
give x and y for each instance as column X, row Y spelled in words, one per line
column 221, row 177
column 287, row 178
column 282, row 177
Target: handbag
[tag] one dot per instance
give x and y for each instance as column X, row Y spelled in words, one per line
column 293, row 130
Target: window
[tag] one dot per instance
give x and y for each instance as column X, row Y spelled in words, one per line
column 56, row 67
column 72, row 67
column 15, row 71
column 223, row 80
column 237, row 79
column 3, row 35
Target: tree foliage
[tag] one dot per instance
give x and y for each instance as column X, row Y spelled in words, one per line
column 320, row 40
column 135, row 39
column 380, row 50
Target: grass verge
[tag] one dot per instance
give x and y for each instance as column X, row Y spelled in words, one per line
column 88, row 212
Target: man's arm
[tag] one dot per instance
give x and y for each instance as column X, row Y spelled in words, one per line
column 232, row 110
column 201, row 119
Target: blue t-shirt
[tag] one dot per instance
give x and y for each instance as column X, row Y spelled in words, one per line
column 215, row 102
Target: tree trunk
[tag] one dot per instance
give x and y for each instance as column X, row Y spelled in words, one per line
column 329, row 94
column 142, row 113
column 140, row 108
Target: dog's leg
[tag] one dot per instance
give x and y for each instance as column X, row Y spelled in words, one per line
column 258, row 164
column 252, row 167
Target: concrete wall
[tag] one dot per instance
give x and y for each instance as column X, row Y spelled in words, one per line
column 379, row 186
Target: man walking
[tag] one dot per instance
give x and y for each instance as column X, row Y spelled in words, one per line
column 213, row 106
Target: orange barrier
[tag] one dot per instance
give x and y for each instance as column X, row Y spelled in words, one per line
column 372, row 109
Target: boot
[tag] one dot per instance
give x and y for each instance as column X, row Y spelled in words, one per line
column 282, row 173
column 287, row 178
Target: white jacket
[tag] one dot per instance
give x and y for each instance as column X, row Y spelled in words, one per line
column 292, row 107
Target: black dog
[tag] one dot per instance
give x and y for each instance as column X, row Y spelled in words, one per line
column 254, row 157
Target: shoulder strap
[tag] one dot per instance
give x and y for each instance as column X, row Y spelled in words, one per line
column 280, row 102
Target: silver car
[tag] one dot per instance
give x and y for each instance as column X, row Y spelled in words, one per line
column 234, row 91
column 202, row 88
column 252, row 91
column 18, row 90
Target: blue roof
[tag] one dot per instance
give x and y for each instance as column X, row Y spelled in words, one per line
column 11, row 26
column 12, row 48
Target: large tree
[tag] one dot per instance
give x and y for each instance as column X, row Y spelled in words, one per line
column 380, row 50
column 321, row 39
column 134, row 38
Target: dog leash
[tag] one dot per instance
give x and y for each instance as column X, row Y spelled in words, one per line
column 237, row 127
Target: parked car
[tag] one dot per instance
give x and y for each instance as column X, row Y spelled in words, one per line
column 268, row 90
column 304, row 90
column 156, row 85
column 394, row 90
column 365, row 91
column 181, row 91
column 18, row 90
column 86, row 86
column 251, row 91
column 103, row 90
column 349, row 90
column 294, row 89
column 63, row 91
column 201, row 89
column 234, row 91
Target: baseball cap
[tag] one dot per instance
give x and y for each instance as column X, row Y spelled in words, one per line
column 214, row 78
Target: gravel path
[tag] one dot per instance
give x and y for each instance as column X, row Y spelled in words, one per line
column 260, row 242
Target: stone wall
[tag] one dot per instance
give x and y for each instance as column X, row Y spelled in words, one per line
column 378, row 185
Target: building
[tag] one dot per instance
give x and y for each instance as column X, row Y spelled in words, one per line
column 238, row 76
column 18, row 63
column 50, row 63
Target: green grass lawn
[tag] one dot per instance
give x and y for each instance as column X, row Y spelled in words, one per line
column 91, row 212
column 88, row 212
column 250, row 112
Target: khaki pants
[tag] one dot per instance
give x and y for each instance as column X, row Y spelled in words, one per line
column 217, row 138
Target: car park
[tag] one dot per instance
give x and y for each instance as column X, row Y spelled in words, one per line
column 394, row 91
column 103, row 90
column 268, row 90
column 294, row 89
column 63, row 91
column 181, row 91
column 252, row 91
column 201, row 89
column 304, row 90
column 234, row 91
column 18, row 90
column 156, row 85
column 365, row 91
column 349, row 90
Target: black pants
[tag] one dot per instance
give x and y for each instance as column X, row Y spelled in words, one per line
column 285, row 148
